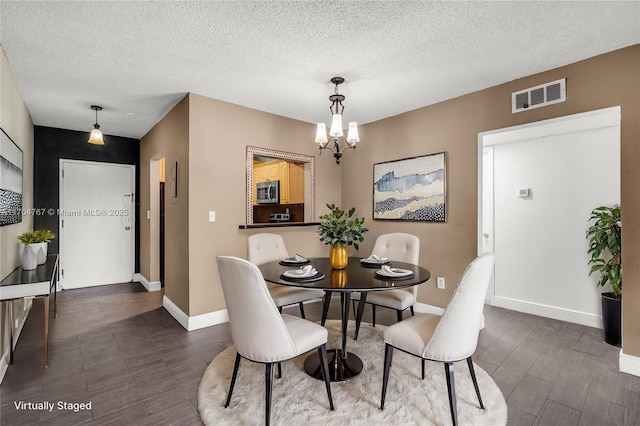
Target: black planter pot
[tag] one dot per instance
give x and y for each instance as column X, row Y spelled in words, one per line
column 612, row 319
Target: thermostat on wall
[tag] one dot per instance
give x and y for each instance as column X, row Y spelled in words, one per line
column 523, row 192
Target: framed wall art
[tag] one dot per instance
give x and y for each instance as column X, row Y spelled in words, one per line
column 10, row 181
column 412, row 189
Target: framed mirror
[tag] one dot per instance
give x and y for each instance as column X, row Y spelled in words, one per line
column 280, row 187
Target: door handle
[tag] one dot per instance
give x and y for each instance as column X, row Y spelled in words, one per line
column 126, row 228
column 485, row 235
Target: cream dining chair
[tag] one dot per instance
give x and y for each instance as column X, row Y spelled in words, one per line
column 398, row 247
column 265, row 247
column 259, row 332
column 448, row 338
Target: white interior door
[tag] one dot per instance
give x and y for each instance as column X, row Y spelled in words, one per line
column 96, row 223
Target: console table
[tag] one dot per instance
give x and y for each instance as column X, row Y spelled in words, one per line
column 39, row 282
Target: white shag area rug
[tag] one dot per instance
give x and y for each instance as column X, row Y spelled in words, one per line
column 299, row 399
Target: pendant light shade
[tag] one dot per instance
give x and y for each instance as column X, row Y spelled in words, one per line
column 321, row 134
column 336, row 126
column 353, row 137
column 95, row 138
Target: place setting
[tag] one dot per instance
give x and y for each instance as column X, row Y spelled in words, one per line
column 374, row 261
column 386, row 272
column 306, row 273
column 295, row 260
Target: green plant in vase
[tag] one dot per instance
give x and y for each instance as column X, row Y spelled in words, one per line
column 605, row 247
column 605, row 251
column 340, row 229
column 35, row 247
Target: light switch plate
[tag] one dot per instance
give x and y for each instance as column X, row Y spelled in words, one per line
column 212, row 216
column 440, row 282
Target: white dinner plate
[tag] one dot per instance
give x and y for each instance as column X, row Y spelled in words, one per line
column 395, row 273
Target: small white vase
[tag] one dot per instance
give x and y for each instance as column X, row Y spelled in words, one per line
column 41, row 252
column 29, row 258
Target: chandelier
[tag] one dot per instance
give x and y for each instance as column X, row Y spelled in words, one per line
column 336, row 132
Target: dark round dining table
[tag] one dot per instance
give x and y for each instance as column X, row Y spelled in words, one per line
column 355, row 277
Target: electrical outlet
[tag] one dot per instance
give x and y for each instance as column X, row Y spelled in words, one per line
column 212, row 216
column 440, row 282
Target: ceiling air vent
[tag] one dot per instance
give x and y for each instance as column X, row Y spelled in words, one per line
column 538, row 96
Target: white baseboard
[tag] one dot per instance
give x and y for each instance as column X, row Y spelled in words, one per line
column 547, row 311
column 197, row 321
column 629, row 364
column 150, row 286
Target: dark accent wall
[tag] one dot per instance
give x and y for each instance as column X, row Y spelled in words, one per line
column 51, row 145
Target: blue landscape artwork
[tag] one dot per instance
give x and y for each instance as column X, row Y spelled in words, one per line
column 411, row 189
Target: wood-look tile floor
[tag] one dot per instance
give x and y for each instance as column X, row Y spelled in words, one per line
column 116, row 347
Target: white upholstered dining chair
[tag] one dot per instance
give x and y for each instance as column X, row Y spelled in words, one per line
column 448, row 338
column 265, row 247
column 400, row 247
column 259, row 332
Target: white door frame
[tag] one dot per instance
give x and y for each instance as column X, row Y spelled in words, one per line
column 61, row 209
column 568, row 124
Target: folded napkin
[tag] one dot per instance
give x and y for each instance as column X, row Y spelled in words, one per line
column 391, row 272
column 296, row 259
column 303, row 272
column 375, row 259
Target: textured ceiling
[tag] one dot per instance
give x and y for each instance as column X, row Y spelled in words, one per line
column 138, row 58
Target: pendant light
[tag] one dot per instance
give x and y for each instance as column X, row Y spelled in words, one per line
column 96, row 134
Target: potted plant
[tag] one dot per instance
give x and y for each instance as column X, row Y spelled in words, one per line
column 35, row 246
column 605, row 249
column 340, row 229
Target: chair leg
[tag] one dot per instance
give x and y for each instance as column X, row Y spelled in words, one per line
column 353, row 304
column 399, row 315
column 388, row 355
column 451, row 388
column 302, row 311
column 279, row 370
column 475, row 382
column 322, row 351
column 413, row 314
column 268, row 376
column 233, row 379
column 325, row 306
column 423, row 361
column 373, row 313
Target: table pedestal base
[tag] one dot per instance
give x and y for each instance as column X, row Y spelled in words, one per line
column 340, row 369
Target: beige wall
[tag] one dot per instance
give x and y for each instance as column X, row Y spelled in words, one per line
column 210, row 137
column 219, row 133
column 16, row 122
column 168, row 138
column 453, row 126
